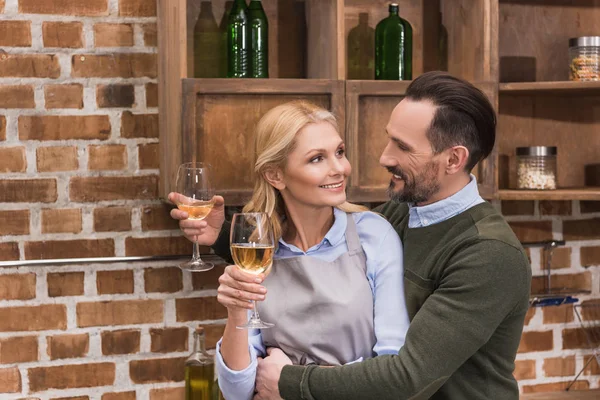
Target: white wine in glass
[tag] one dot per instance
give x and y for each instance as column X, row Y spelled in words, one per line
column 196, row 197
column 252, row 247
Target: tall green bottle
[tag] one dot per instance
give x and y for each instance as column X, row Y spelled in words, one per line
column 238, row 41
column 207, row 43
column 259, row 40
column 393, row 47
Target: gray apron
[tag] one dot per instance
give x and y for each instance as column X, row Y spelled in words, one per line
column 323, row 311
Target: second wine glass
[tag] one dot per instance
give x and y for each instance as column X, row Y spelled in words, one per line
column 252, row 248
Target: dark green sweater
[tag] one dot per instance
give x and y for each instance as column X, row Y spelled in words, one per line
column 467, row 282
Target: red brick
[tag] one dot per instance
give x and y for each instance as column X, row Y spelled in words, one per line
column 558, row 314
column 2, row 128
column 71, row 376
column 151, row 95
column 589, row 206
column 559, row 366
column 169, row 340
column 10, row 380
column 517, row 207
column 112, row 219
column 532, row 231
column 79, row 248
column 28, row 191
column 163, row 280
column 118, row 65
column 590, row 256
column 556, row 387
column 137, row 8
column 12, row 159
column 199, row 309
column 14, row 222
column 561, row 258
column 68, row 346
column 62, row 34
column 57, row 158
column 65, row 284
column 548, row 207
column 157, row 218
column 582, row 281
column 16, row 96
column 127, row 312
column 18, row 349
column 113, row 35
column 139, row 125
column 213, row 334
column 160, row 370
column 577, row 338
column 114, row 282
column 159, row 246
column 15, row 33
column 150, row 35
column 29, row 66
column 17, row 286
column 118, row 96
column 524, row 369
column 148, row 156
column 584, row 229
column 33, row 318
column 61, row 220
column 62, row 127
column 9, row 251
column 590, row 310
column 119, row 396
column 536, row 341
column 593, row 368
column 120, row 342
column 94, row 189
column 107, row 158
column 176, row 393
column 64, row 96
column 64, row 7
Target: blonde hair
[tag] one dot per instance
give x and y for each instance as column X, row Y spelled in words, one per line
column 275, row 139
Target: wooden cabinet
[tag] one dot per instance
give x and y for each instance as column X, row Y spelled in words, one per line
column 516, row 51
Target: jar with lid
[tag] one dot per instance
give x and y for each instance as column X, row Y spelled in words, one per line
column 536, row 167
column 584, row 53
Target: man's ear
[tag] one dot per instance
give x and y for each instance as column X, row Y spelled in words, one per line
column 458, row 156
column 275, row 177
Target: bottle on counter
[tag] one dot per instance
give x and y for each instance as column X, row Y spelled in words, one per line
column 259, row 40
column 208, row 54
column 200, row 371
column 238, row 41
column 223, row 36
column 393, row 47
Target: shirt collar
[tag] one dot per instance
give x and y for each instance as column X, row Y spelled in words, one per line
column 332, row 238
column 448, row 207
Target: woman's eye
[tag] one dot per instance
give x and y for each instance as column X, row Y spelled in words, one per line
column 316, row 159
column 341, row 152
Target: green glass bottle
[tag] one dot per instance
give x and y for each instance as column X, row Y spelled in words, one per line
column 361, row 53
column 238, row 41
column 223, row 36
column 207, row 42
column 393, row 47
column 259, row 40
column 199, row 371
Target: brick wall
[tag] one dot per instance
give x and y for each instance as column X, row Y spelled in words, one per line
column 79, row 173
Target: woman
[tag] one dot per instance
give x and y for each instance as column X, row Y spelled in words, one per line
column 335, row 291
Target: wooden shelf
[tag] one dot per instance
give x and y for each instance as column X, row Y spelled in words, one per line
column 585, row 193
column 556, row 88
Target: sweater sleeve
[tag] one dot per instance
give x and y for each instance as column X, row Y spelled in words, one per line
column 221, row 246
column 473, row 297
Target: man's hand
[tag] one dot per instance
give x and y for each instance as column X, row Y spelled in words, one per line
column 268, row 373
column 206, row 231
column 237, row 288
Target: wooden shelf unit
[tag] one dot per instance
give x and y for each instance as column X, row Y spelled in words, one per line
column 516, row 51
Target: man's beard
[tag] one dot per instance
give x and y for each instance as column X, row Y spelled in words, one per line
column 417, row 188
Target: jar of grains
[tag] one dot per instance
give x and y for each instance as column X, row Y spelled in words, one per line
column 584, row 53
column 536, row 167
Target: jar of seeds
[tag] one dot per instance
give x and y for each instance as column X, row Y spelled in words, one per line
column 584, row 53
column 536, row 167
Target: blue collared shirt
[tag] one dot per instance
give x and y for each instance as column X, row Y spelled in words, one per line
column 447, row 208
column 385, row 274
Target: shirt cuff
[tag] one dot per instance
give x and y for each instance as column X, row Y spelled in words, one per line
column 234, row 376
column 293, row 382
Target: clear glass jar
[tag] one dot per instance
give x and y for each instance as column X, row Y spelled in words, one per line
column 584, row 53
column 536, row 167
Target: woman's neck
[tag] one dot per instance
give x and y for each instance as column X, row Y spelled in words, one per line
column 307, row 226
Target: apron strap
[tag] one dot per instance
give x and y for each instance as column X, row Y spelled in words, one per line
column 352, row 240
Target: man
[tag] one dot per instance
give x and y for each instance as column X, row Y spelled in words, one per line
column 467, row 278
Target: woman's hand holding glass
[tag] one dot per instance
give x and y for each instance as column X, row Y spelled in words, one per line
column 204, row 232
column 237, row 289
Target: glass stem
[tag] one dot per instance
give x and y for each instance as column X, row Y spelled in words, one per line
column 255, row 316
column 196, row 255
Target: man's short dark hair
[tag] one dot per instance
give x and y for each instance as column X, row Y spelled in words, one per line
column 464, row 115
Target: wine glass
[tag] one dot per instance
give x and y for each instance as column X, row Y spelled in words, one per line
column 196, row 197
column 252, row 248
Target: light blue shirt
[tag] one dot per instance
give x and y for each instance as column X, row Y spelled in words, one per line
column 447, row 208
column 385, row 273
